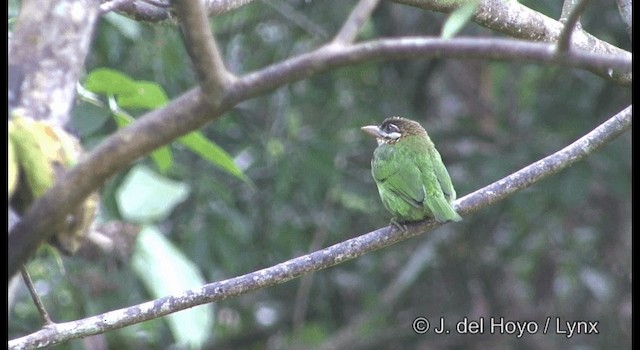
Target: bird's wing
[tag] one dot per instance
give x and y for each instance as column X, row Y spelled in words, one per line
column 438, row 187
column 443, row 176
column 398, row 175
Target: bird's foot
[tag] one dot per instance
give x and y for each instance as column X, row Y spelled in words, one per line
column 396, row 224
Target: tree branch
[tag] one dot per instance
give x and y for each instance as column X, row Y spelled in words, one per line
column 45, row 61
column 328, row 57
column 625, row 7
column 519, row 21
column 356, row 20
column 203, row 50
column 35, row 297
column 571, row 12
column 218, row 7
column 404, row 279
column 112, row 5
column 547, row 166
column 190, row 112
column 333, row 255
column 145, row 10
column 141, row 10
column 289, row 12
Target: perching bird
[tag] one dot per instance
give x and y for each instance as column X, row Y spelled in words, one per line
column 412, row 180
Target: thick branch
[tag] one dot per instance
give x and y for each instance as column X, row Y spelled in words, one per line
column 144, row 10
column 189, row 112
column 203, row 50
column 330, row 256
column 141, row 10
column 45, row 60
column 329, row 57
column 112, row 5
column 519, row 21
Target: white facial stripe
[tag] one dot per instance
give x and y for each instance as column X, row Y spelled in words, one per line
column 394, row 135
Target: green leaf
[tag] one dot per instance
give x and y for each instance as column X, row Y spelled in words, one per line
column 146, row 196
column 146, row 94
column 213, row 153
column 126, row 26
column 164, row 270
column 109, row 82
column 122, row 118
column 458, row 18
column 13, row 168
column 88, row 118
column 162, row 156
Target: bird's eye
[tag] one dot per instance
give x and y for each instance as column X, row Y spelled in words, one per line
column 392, row 132
column 391, row 128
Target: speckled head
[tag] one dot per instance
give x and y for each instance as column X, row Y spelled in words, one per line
column 394, row 129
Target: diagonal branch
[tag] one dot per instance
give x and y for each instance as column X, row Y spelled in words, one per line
column 547, row 166
column 35, row 297
column 333, row 255
column 519, row 21
column 189, row 112
column 356, row 20
column 149, row 11
column 289, row 12
column 571, row 21
column 203, row 50
column 421, row 257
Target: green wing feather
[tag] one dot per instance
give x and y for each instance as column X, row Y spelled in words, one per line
column 393, row 173
column 413, row 182
column 440, row 191
column 443, row 176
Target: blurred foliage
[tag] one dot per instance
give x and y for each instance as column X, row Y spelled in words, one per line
column 560, row 248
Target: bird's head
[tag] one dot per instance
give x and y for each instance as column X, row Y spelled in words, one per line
column 394, row 129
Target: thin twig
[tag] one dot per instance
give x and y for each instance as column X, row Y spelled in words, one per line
column 567, row 7
column 189, row 112
column 356, row 20
column 300, row 19
column 406, row 277
column 203, row 50
column 572, row 22
column 302, row 296
column 36, row 298
column 333, row 255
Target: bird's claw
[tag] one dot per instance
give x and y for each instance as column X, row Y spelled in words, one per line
column 401, row 227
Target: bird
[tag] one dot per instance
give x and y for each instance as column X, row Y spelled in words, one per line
column 412, row 180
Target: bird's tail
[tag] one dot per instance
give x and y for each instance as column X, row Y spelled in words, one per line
column 443, row 211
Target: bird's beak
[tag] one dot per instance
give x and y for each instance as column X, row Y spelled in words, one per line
column 372, row 130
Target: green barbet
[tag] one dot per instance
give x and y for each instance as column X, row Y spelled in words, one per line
column 412, row 180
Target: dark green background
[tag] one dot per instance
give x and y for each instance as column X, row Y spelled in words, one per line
column 561, row 248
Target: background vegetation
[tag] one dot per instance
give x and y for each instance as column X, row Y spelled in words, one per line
column 559, row 249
